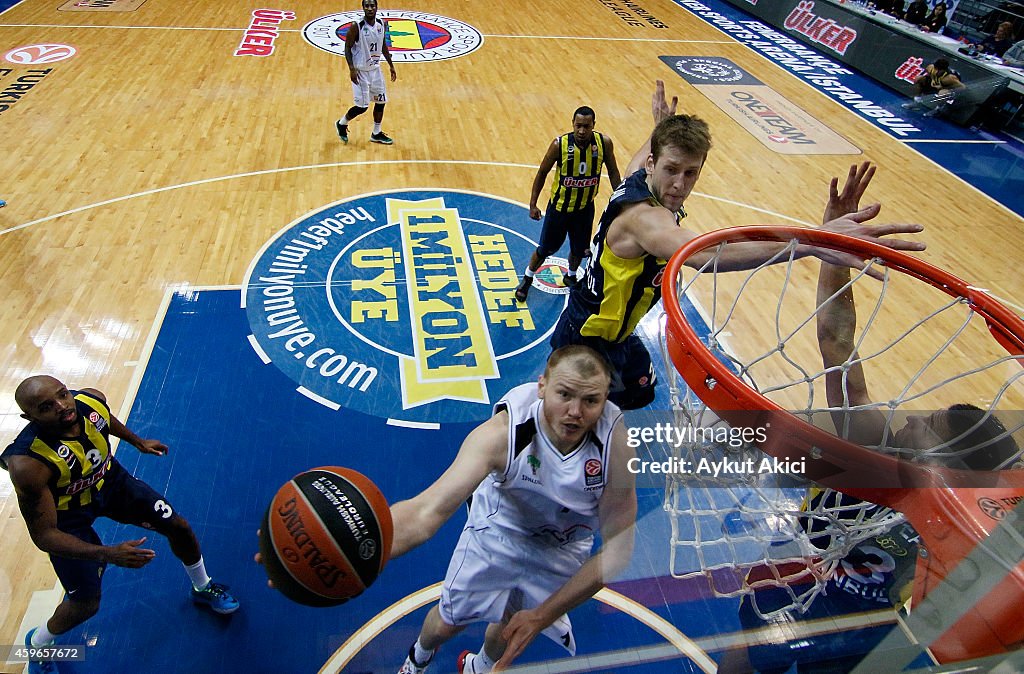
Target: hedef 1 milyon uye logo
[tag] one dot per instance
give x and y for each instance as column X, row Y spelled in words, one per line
column 401, row 304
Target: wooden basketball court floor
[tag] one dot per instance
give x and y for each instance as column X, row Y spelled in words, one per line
column 149, row 175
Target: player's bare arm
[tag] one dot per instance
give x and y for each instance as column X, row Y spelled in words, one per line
column 30, row 479
column 550, row 157
column 119, row 430
column 660, row 109
column 617, row 513
column 837, row 324
column 351, row 36
column 614, row 177
column 387, row 57
column 483, row 451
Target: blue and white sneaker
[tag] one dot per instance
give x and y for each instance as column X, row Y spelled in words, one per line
column 38, row 666
column 217, row 597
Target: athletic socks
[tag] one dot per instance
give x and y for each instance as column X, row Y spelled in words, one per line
column 42, row 637
column 482, row 663
column 197, row 574
column 420, row 655
column 376, row 128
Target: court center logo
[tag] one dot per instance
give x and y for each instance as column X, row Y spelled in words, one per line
column 402, row 304
column 411, row 36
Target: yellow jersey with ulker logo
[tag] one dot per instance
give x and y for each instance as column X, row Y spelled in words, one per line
column 578, row 174
column 78, row 465
column 617, row 292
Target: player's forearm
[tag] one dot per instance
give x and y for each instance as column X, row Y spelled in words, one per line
column 588, row 581
column 537, row 188
column 837, row 317
column 119, row 430
column 53, row 541
column 413, row 525
column 744, row 255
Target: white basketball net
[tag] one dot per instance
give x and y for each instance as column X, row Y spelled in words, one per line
column 755, row 531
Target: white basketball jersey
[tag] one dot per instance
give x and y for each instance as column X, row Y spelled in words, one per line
column 366, row 51
column 543, row 493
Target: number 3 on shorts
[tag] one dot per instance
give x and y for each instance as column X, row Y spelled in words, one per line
column 164, row 509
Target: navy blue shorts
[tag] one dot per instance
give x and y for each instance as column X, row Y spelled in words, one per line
column 818, row 654
column 577, row 225
column 124, row 498
column 633, row 378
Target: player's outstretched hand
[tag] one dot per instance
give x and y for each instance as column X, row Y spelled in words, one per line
column 154, row 447
column 855, row 224
column 521, row 629
column 661, row 108
column 129, row 554
column 848, row 201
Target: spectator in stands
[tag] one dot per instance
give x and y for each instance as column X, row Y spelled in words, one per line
column 891, row 7
column 916, row 12
column 1014, row 56
column 936, row 21
column 997, row 43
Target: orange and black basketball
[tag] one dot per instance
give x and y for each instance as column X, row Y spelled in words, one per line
column 326, row 536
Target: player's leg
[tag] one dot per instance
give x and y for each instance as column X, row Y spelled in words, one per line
column 579, row 228
column 132, row 501
column 379, row 96
column 81, row 580
column 433, row 634
column 633, row 388
column 361, row 103
column 552, row 236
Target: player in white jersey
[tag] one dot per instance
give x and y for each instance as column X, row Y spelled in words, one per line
column 365, row 43
column 546, row 473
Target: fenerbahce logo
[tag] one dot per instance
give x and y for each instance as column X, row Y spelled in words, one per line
column 411, row 36
column 401, row 304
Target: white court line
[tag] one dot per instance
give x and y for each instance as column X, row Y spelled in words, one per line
column 308, row 167
column 961, row 142
column 300, row 30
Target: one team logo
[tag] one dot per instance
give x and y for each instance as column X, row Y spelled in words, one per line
column 710, row 70
column 411, row 36
column 402, row 304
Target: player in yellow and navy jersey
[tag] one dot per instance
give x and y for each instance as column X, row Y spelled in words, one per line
column 579, row 156
column 65, row 477
column 640, row 231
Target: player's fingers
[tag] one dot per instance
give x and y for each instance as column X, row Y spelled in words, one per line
column 898, row 228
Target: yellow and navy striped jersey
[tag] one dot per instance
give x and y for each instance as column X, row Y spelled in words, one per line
column 78, row 465
column 578, row 173
column 617, row 292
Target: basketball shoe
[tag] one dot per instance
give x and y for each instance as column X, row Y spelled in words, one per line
column 342, row 131
column 217, row 597
column 524, row 288
column 39, row 666
column 410, row 666
column 2, row 203
column 382, row 138
column 467, row 663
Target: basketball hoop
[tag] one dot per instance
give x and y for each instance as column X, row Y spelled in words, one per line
column 946, row 505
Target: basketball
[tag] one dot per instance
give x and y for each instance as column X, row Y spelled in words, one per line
column 326, row 536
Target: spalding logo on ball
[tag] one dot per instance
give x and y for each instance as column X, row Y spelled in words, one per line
column 326, row 536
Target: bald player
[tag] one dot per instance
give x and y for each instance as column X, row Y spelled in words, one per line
column 66, row 477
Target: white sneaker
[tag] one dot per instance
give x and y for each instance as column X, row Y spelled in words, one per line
column 410, row 666
column 466, row 663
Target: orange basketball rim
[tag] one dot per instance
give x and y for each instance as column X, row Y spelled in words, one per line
column 954, row 522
